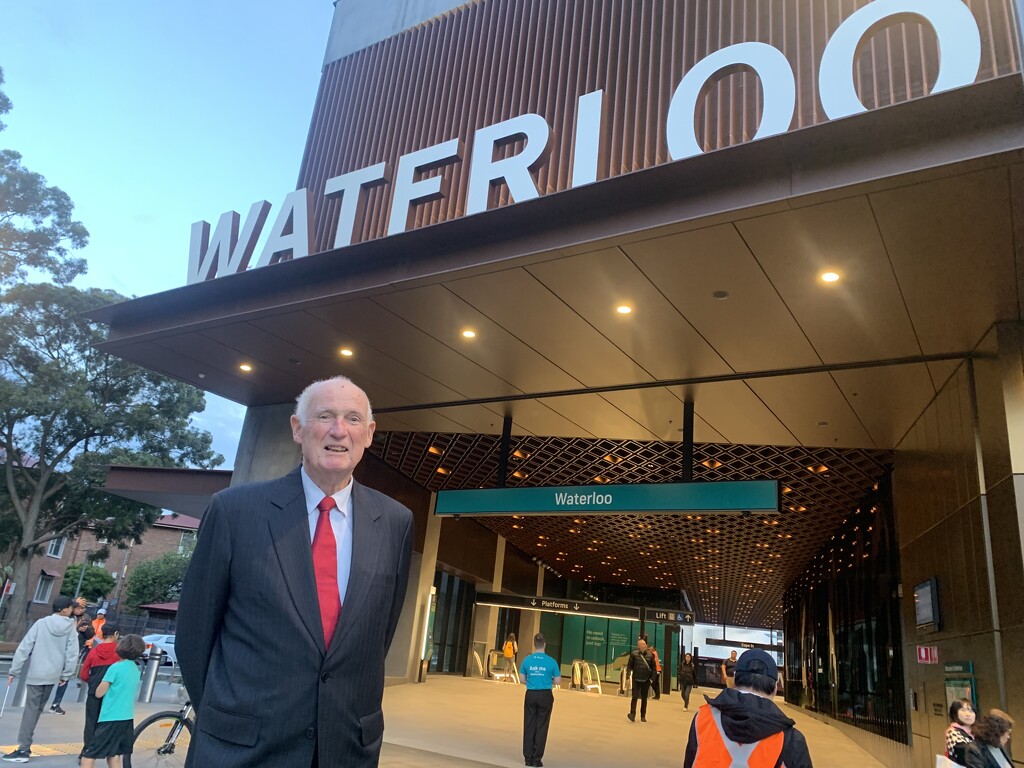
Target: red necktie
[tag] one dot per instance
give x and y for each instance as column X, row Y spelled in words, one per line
column 325, row 567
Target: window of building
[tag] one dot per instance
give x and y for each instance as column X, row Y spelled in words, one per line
column 56, row 548
column 188, row 540
column 43, row 589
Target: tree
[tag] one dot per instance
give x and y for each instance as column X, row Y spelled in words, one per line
column 36, row 228
column 67, row 410
column 158, row 580
column 96, row 583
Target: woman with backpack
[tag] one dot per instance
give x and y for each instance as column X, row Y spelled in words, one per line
column 509, row 651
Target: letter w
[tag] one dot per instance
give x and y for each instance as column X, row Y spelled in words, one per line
column 225, row 253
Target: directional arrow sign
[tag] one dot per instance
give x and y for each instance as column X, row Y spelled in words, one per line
column 668, row 617
column 559, row 605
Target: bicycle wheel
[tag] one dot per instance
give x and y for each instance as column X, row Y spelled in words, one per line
column 161, row 741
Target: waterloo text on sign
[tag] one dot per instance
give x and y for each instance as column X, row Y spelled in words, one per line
column 233, row 243
column 753, row 496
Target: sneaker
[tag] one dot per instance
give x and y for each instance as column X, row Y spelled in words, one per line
column 17, row 756
column 632, row 717
column 643, row 719
column 57, row 710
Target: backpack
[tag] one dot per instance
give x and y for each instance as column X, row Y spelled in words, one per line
column 509, row 650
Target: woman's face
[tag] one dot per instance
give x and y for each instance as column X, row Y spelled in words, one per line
column 966, row 716
column 1005, row 738
column 687, row 658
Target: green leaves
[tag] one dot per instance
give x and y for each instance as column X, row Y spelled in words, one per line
column 157, row 581
column 96, row 583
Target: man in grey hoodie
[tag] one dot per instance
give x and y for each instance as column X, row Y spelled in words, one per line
column 53, row 645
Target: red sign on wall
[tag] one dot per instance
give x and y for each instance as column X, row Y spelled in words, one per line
column 927, row 654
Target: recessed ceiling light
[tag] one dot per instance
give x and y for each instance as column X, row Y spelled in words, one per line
column 830, row 277
column 469, row 334
column 441, row 471
column 613, row 459
column 435, row 450
column 711, row 463
column 623, row 309
column 520, row 475
column 245, row 367
column 345, row 352
column 520, row 454
column 822, row 423
column 817, row 469
column 720, row 295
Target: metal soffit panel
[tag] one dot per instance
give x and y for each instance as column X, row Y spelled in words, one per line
column 734, row 568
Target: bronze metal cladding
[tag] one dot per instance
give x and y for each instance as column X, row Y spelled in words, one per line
column 497, row 59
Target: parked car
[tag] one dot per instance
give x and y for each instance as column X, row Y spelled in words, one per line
column 165, row 643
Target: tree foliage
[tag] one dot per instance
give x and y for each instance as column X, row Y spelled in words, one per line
column 37, row 230
column 157, row 581
column 68, row 409
column 96, row 583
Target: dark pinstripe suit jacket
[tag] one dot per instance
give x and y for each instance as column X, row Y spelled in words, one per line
column 250, row 642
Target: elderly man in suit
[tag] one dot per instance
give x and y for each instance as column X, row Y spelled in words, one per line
column 291, row 600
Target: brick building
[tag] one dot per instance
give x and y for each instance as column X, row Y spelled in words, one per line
column 171, row 533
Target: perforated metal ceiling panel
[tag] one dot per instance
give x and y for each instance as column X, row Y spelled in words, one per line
column 734, row 568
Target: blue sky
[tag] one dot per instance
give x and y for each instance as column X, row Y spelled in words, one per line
column 154, row 115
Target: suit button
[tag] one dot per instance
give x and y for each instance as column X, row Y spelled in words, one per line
column 310, row 733
column 324, row 677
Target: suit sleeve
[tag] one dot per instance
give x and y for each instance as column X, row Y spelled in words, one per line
column 203, row 601
column 401, row 581
column 691, row 745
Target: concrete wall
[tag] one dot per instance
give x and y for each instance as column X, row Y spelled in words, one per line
column 956, row 491
column 361, row 23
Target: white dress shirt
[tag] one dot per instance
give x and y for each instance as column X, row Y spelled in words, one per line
column 341, row 524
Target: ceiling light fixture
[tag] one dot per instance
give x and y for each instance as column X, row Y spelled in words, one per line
column 720, row 295
column 346, row 352
column 830, row 277
column 245, row 368
column 469, row 334
column 624, row 309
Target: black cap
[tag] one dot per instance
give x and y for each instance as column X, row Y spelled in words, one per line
column 757, row 662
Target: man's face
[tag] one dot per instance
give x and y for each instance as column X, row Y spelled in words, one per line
column 642, row 645
column 335, row 433
column 732, row 656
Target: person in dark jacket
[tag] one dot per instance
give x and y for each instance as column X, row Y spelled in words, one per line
column 96, row 664
column 991, row 735
column 641, row 665
column 742, row 725
column 687, row 676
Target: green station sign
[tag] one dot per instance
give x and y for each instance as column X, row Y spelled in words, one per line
column 748, row 496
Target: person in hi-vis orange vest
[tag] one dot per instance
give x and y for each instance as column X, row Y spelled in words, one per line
column 743, row 726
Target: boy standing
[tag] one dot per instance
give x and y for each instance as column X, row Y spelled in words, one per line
column 96, row 664
column 115, row 728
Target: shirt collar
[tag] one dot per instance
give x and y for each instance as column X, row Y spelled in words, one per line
column 314, row 495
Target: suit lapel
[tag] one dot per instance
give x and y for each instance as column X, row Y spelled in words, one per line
column 289, row 530
column 366, row 546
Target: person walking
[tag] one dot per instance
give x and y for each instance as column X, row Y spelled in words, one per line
column 509, row 651
column 85, row 633
column 95, row 666
column 656, row 677
column 52, row 643
column 687, row 676
column 114, row 735
column 743, row 726
column 641, row 666
column 991, row 735
column 729, row 670
column 540, row 673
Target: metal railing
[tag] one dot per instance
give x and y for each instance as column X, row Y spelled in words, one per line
column 584, row 676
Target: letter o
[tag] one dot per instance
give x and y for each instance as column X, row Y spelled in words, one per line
column 777, row 80
column 959, row 49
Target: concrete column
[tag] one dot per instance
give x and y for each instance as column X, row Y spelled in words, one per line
column 266, row 449
column 529, row 623
column 485, row 617
column 404, row 657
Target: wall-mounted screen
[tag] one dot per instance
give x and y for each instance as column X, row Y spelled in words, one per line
column 926, row 604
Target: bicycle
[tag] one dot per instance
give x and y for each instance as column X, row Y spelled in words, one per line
column 162, row 740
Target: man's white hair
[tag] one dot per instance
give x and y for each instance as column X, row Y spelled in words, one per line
column 302, row 401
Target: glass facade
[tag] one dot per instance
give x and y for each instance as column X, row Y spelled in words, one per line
column 842, row 625
column 452, row 623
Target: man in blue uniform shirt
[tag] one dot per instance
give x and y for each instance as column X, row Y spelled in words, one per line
column 540, row 672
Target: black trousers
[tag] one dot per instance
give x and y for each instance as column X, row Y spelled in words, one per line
column 656, row 685
column 536, row 718
column 684, row 691
column 640, row 690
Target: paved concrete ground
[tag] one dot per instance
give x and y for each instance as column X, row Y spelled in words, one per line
column 461, row 723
